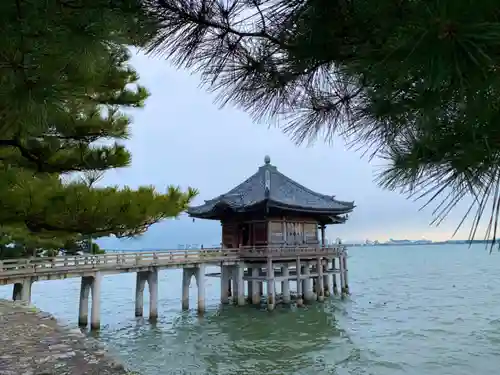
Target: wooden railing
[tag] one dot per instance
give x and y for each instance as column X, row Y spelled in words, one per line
column 115, row 260
column 291, row 251
column 121, row 260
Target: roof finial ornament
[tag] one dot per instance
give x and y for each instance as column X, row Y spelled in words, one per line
column 267, row 160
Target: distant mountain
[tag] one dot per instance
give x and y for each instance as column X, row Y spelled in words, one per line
column 409, row 242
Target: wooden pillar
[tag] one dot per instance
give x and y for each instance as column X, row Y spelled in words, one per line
column 95, row 307
column 346, row 282
column 239, row 285
column 90, row 285
column 83, row 309
column 300, row 300
column 140, row 284
column 187, row 273
column 285, row 285
column 224, row 280
column 256, row 287
column 320, row 287
column 22, row 291
column 334, row 277
column 234, row 284
column 261, row 284
column 342, row 281
column 308, row 290
column 327, row 278
column 323, row 241
column 16, row 291
column 153, row 293
column 271, row 298
column 200, row 282
column 249, row 288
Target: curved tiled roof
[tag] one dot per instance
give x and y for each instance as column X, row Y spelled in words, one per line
column 270, row 186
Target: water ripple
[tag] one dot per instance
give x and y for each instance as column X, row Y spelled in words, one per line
column 431, row 310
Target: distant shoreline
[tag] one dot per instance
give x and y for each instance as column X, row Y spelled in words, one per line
column 457, row 242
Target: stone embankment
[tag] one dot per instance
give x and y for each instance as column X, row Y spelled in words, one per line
column 34, row 343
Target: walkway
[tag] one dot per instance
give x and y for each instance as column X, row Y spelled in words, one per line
column 111, row 263
column 244, row 271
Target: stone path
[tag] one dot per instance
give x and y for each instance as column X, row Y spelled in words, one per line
column 33, row 343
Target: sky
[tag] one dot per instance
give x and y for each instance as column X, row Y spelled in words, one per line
column 182, row 138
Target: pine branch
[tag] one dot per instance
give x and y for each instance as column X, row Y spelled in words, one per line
column 412, row 82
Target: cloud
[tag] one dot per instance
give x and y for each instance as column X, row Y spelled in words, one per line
column 183, row 138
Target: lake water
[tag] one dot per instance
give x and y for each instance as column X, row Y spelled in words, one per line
column 432, row 310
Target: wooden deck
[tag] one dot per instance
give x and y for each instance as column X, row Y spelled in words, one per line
column 119, row 262
column 243, row 273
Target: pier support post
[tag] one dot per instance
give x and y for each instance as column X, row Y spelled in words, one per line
column 346, row 282
column 308, row 292
column 271, row 297
column 285, row 284
column 83, row 308
column 342, row 279
column 249, row 288
column 26, row 292
column 300, row 301
column 314, row 282
column 320, row 286
column 334, row 277
column 200, row 282
column 187, row 273
column 140, row 283
column 234, row 284
column 240, row 284
column 224, row 280
column 22, row 291
column 256, row 287
column 153, row 294
column 261, row 283
column 95, row 308
column 16, row 292
column 327, row 279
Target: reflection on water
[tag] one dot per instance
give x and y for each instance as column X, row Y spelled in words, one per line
column 234, row 340
column 429, row 310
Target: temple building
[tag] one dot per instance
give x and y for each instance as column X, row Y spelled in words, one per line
column 271, row 209
column 277, row 226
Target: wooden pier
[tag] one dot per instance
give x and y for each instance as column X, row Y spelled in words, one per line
column 273, row 230
column 242, row 278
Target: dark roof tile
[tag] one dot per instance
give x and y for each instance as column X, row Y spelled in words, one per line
column 268, row 184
